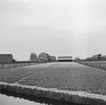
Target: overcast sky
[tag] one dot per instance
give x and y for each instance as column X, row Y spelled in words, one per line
column 58, row 27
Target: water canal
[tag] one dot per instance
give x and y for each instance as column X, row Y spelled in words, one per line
column 9, row 100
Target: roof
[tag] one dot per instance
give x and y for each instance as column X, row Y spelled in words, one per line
column 65, row 57
column 6, row 55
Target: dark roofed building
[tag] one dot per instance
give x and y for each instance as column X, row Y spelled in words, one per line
column 6, row 58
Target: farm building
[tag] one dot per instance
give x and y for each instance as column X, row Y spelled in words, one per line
column 43, row 57
column 64, row 58
column 6, row 58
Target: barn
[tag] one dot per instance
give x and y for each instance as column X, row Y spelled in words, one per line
column 64, row 58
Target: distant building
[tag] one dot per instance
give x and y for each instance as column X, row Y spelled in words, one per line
column 6, row 58
column 53, row 58
column 64, row 58
column 43, row 57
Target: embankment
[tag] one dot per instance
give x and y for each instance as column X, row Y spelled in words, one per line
column 19, row 64
column 13, row 65
column 51, row 95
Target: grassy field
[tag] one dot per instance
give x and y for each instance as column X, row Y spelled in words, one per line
column 11, row 75
column 66, row 76
column 96, row 64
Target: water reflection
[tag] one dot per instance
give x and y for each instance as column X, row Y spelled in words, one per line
column 5, row 100
column 9, row 99
column 34, row 98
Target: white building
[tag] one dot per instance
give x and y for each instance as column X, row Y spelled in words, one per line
column 64, row 58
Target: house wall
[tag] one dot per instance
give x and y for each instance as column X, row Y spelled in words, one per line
column 6, row 58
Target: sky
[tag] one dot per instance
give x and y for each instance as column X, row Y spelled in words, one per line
column 59, row 27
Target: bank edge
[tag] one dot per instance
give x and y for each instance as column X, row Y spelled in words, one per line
column 53, row 94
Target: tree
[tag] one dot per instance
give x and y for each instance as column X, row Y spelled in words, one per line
column 77, row 59
column 99, row 56
column 49, row 57
column 33, row 57
column 53, row 58
column 14, row 60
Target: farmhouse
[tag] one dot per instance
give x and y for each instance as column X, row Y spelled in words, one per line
column 6, row 58
column 43, row 57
